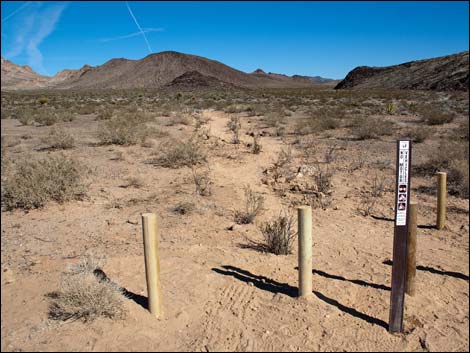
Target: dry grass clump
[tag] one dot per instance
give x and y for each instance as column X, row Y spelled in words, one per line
column 202, row 181
column 33, row 183
column 256, row 146
column 25, row 116
column 234, row 125
column 128, row 129
column 253, row 206
column 59, row 139
column 279, row 235
column 86, row 294
column 176, row 154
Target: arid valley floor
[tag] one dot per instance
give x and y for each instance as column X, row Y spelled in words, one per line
column 174, row 154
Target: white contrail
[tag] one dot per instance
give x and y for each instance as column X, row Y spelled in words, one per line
column 138, row 26
column 146, row 30
column 16, row 11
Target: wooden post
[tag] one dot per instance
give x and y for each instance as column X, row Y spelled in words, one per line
column 305, row 250
column 441, row 200
column 402, row 202
column 411, row 250
column 152, row 263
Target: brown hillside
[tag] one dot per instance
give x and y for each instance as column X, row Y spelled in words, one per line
column 446, row 73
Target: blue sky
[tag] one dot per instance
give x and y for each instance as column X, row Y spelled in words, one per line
column 308, row 38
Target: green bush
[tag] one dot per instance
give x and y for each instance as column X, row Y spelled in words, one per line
column 128, row 129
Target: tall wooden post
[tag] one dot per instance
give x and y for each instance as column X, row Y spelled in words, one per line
column 305, row 250
column 152, row 263
column 441, row 200
column 411, row 250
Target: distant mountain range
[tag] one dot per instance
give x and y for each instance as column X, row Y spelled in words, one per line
column 175, row 70
column 165, row 69
column 445, row 73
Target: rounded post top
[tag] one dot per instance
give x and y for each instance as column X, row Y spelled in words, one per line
column 441, row 173
column 304, row 207
column 149, row 215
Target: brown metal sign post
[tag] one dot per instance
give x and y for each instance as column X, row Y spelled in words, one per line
column 402, row 203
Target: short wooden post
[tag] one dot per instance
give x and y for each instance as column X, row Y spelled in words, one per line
column 411, row 249
column 441, row 200
column 305, row 250
column 152, row 263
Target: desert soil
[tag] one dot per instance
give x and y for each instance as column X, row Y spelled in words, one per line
column 218, row 293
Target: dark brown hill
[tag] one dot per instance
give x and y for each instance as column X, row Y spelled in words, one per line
column 158, row 70
column 446, row 73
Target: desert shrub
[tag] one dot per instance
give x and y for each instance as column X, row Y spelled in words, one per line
column 176, row 154
column 202, row 181
column 372, row 128
column 34, row 182
column 391, row 108
column 180, row 119
column 104, row 113
column 45, row 117
column 59, row 139
column 234, row 125
column 256, row 147
column 86, row 109
column 43, row 100
column 279, row 235
column 434, row 115
column 370, row 197
column 183, row 208
column 274, row 119
column 323, row 179
column 86, row 294
column 25, row 116
column 253, row 206
column 458, row 178
column 126, row 129
column 420, row 134
column 134, row 182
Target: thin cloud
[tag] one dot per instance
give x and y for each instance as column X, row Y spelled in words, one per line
column 145, row 30
column 16, row 11
column 31, row 31
column 138, row 26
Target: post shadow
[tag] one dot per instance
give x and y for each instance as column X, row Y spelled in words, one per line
column 137, row 298
column 435, row 271
column 272, row 286
column 355, row 281
column 386, row 219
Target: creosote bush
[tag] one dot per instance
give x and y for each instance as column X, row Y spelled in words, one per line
column 128, row 129
column 279, row 235
column 176, row 154
column 33, row 183
column 253, row 206
column 59, row 139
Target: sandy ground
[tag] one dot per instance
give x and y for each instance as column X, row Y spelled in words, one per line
column 218, row 294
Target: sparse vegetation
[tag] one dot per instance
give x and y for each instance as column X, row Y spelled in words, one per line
column 279, row 235
column 58, row 139
column 202, row 181
column 86, row 294
column 253, row 206
column 35, row 182
column 176, row 154
column 127, row 129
